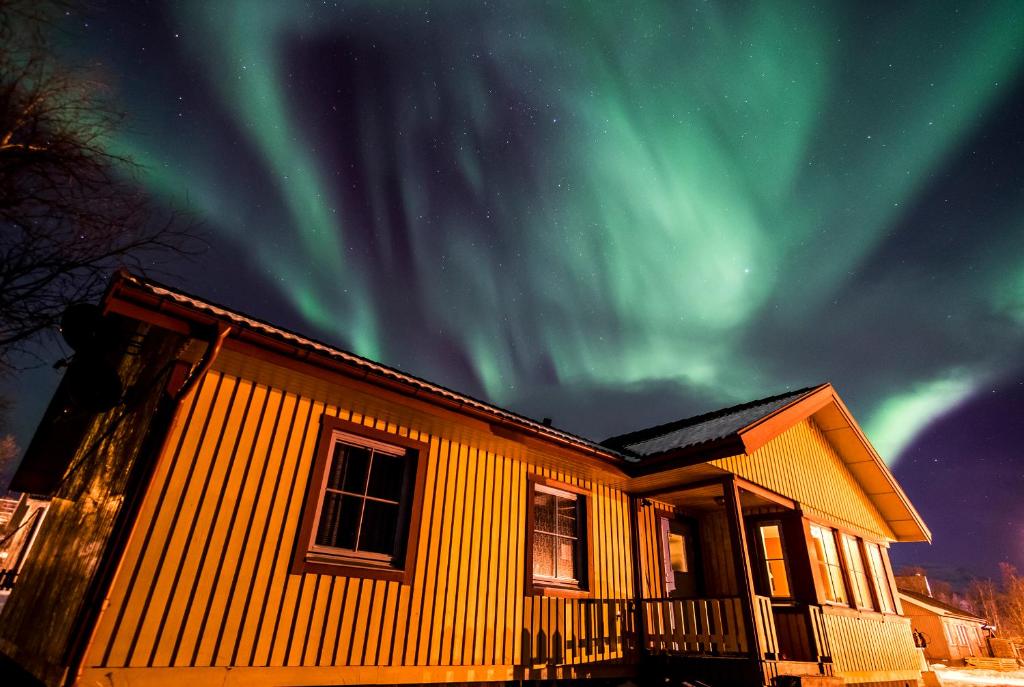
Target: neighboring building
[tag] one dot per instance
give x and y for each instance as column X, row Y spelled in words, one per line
column 262, row 509
column 19, row 525
column 950, row 634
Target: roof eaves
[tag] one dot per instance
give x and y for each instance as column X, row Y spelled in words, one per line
column 373, row 368
column 665, row 428
column 939, row 606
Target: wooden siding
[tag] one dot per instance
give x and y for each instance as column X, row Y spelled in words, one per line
column 871, row 647
column 716, row 550
column 800, row 463
column 204, row 581
column 39, row 622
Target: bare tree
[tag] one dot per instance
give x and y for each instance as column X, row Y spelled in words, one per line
column 70, row 210
column 986, row 600
column 1013, row 600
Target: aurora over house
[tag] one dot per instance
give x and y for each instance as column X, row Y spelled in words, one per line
column 610, row 213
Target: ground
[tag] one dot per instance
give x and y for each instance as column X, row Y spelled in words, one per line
column 970, row 677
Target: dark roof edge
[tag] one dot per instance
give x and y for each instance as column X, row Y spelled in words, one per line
column 616, row 442
column 917, row 597
column 369, row 367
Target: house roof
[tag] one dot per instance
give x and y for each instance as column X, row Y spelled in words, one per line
column 143, row 298
column 745, row 428
column 705, row 429
column 939, row 607
column 730, row 431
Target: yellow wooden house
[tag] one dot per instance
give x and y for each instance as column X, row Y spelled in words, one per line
column 948, row 634
column 256, row 508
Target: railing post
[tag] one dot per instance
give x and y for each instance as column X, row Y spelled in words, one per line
column 638, row 591
column 744, row 576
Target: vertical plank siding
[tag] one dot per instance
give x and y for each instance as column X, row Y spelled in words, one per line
column 716, row 553
column 205, row 579
column 41, row 616
column 864, row 646
column 803, row 465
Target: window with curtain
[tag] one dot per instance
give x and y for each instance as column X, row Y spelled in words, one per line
column 557, row 537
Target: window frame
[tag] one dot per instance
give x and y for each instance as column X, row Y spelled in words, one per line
column 765, row 572
column 880, row 579
column 308, row 557
column 541, row 586
column 827, row 581
column 868, row 603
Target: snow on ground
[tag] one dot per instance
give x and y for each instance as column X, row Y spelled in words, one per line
column 969, row 677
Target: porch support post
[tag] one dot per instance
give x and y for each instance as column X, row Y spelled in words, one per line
column 638, row 590
column 744, row 576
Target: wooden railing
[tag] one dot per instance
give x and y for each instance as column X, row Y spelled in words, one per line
column 862, row 642
column 764, row 627
column 695, row 626
column 819, row 634
column 569, row 631
column 801, row 633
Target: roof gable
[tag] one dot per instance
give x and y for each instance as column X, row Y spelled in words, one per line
column 930, row 603
column 745, row 428
column 701, row 429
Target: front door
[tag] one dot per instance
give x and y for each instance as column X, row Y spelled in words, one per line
column 680, row 557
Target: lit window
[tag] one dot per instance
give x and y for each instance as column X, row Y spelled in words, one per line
column 858, row 575
column 673, row 554
column 881, row 580
column 775, row 560
column 827, row 558
column 557, row 537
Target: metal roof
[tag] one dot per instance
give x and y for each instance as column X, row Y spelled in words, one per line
column 222, row 313
column 701, row 429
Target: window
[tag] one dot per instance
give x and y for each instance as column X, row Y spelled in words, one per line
column 774, row 560
column 673, row 554
column 827, row 558
column 558, row 535
column 358, row 518
column 881, row 580
column 858, row 574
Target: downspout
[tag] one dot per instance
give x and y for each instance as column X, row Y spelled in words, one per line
column 97, row 597
column 638, row 590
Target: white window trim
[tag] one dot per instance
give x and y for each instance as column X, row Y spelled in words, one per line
column 332, row 554
column 548, row 580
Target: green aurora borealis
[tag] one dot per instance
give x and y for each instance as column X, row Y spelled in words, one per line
column 591, row 200
column 615, row 214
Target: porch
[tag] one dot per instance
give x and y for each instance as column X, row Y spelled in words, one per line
column 729, row 600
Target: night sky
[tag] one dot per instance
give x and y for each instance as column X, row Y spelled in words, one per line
column 618, row 214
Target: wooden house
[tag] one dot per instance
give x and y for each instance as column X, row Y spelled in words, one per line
column 256, row 508
column 949, row 634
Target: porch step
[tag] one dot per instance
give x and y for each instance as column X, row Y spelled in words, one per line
column 809, row 681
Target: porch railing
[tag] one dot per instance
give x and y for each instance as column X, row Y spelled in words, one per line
column 714, row 626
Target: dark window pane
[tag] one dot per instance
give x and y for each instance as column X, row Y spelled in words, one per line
column 386, row 476
column 544, row 511
column 544, row 554
column 339, row 519
column 336, row 469
column 356, row 461
column 380, row 522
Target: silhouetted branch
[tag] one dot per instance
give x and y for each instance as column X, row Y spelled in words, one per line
column 71, row 211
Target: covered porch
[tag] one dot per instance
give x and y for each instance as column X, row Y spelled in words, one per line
column 728, row 586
